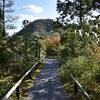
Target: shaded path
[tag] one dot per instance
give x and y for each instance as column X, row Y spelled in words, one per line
column 47, row 85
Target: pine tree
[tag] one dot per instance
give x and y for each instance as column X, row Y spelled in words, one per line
column 5, row 10
column 76, row 10
column 1, row 20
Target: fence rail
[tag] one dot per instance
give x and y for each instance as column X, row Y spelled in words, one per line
column 76, row 85
column 17, row 85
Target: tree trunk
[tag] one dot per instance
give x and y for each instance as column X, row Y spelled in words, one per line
column 3, row 12
column 80, row 14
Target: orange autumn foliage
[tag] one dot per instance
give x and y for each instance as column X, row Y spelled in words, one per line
column 52, row 44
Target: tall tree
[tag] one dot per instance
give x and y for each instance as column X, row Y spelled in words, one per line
column 75, row 10
column 0, row 20
column 5, row 8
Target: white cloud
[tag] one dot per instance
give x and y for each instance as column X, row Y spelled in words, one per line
column 18, row 8
column 19, row 22
column 24, row 16
column 32, row 8
column 12, row 31
column 95, row 13
column 62, row 0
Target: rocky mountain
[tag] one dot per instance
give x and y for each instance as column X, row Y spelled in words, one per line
column 43, row 27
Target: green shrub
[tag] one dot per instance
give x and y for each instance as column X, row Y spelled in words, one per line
column 4, row 88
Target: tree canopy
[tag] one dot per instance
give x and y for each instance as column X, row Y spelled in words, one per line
column 5, row 17
column 76, row 10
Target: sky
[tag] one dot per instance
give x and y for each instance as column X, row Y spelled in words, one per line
column 32, row 10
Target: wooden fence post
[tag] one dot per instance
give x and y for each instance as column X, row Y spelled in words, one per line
column 75, row 88
column 35, row 67
column 18, row 92
column 30, row 75
column 16, row 87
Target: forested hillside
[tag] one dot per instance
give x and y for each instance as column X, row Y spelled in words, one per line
column 42, row 27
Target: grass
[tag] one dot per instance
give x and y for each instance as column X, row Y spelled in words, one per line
column 69, row 87
column 5, row 79
column 25, row 85
column 68, row 84
column 54, row 57
column 28, row 83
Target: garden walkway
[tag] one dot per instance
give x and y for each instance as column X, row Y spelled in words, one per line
column 47, row 85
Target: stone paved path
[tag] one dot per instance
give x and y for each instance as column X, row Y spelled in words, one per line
column 47, row 85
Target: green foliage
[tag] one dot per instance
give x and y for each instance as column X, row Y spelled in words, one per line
column 64, row 76
column 86, row 27
column 4, row 87
column 17, row 55
column 71, row 44
column 75, row 10
column 86, row 71
column 63, row 51
column 42, row 26
column 4, row 55
column 80, row 50
column 82, row 57
column 54, row 34
column 5, row 17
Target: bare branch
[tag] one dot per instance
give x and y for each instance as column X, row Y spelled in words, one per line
column 9, row 10
column 10, row 26
column 9, row 3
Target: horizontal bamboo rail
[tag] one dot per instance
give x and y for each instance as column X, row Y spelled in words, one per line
column 17, row 85
column 76, row 83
